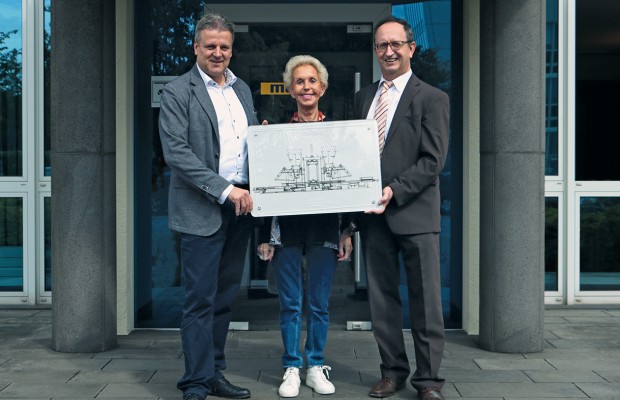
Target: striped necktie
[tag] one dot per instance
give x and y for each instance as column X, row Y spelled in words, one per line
column 381, row 112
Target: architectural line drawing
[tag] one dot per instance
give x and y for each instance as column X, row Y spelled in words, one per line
column 314, row 173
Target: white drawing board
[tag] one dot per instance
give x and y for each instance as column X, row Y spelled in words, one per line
column 314, row 167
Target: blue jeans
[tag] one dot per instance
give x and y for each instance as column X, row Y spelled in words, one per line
column 320, row 266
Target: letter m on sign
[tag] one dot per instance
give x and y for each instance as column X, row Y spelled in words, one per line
column 272, row 88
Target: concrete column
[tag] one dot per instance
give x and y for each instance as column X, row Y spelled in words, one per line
column 512, row 86
column 83, row 176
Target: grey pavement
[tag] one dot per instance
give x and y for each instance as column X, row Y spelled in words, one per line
column 581, row 360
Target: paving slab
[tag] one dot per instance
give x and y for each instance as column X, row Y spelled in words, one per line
column 514, row 364
column 112, row 377
column 486, row 376
column 55, row 364
column 116, row 390
column 585, row 364
column 598, row 389
column 564, row 376
column 520, row 390
column 140, row 353
column 39, row 376
column 35, row 389
column 121, row 364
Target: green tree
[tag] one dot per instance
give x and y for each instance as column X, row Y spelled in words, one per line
column 10, row 66
column 427, row 66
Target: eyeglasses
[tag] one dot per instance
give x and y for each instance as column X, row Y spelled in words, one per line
column 396, row 45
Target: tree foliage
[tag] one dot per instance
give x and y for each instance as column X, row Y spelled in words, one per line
column 10, row 66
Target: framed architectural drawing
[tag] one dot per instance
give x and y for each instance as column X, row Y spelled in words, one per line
column 314, row 167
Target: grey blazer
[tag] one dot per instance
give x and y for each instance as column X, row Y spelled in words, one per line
column 414, row 154
column 190, row 141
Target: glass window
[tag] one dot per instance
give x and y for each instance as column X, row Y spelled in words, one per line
column 597, row 92
column 47, row 50
column 551, row 243
column 436, row 61
column 551, row 100
column 599, row 244
column 260, row 53
column 11, row 244
column 47, row 243
column 10, row 88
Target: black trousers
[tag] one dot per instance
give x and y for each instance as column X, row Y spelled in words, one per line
column 420, row 254
column 212, row 271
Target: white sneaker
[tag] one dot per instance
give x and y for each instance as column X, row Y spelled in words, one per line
column 290, row 386
column 317, row 379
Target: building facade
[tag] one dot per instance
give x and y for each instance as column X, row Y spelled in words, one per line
column 530, row 193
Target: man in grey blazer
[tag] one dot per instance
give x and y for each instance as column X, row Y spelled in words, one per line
column 415, row 144
column 203, row 123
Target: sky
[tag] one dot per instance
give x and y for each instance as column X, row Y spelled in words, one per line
column 10, row 19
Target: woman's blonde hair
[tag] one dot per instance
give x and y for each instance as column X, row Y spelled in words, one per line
column 297, row 61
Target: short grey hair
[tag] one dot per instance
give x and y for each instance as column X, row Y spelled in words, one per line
column 298, row 61
column 213, row 22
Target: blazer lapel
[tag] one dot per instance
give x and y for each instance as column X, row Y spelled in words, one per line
column 200, row 91
column 367, row 100
column 406, row 99
column 245, row 102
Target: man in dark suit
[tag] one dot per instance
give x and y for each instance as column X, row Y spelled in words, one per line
column 204, row 119
column 412, row 119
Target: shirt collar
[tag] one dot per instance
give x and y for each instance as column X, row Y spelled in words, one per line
column 400, row 82
column 230, row 78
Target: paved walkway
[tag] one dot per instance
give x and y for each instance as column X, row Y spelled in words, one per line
column 581, row 360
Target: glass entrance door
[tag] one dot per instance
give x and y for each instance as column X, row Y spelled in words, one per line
column 260, row 54
column 266, row 37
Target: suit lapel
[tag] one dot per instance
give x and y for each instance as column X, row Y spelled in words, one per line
column 200, row 91
column 245, row 102
column 367, row 100
column 406, row 99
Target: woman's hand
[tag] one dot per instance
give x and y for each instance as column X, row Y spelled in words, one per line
column 345, row 247
column 265, row 251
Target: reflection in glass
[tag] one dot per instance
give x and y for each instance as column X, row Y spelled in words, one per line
column 164, row 32
column 47, row 49
column 47, row 241
column 433, row 63
column 11, row 244
column 597, row 85
column 551, row 243
column 599, row 244
column 10, row 88
column 551, row 97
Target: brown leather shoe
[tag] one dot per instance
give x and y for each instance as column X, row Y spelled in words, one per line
column 385, row 388
column 430, row 393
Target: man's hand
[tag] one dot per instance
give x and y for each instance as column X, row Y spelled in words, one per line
column 265, row 251
column 383, row 201
column 345, row 247
column 242, row 200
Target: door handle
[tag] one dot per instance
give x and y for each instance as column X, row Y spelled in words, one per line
column 357, row 264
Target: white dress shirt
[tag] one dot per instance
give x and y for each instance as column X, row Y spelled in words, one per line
column 394, row 93
column 232, row 124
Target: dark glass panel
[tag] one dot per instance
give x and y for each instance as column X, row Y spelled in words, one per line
column 597, row 91
column 11, row 88
column 551, row 98
column 599, row 243
column 551, row 243
column 11, row 244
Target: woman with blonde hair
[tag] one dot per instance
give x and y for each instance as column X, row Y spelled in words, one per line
column 287, row 239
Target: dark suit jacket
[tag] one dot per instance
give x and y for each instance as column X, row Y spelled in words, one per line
column 190, row 141
column 414, row 155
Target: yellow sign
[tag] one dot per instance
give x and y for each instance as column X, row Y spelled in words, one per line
column 272, row 88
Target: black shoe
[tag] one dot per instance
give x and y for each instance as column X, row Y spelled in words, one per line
column 223, row 388
column 192, row 396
